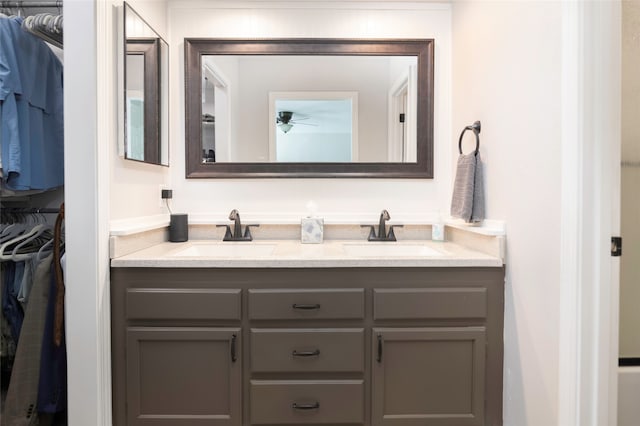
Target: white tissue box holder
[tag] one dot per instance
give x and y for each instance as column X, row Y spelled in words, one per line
column 312, row 230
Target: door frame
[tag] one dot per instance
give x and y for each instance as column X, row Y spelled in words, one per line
column 589, row 292
column 222, row 107
column 403, row 149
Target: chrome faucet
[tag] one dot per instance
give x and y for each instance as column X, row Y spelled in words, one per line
column 382, row 232
column 237, row 234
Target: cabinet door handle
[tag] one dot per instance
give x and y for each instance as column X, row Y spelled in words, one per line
column 306, row 307
column 313, row 406
column 306, row 353
column 379, row 357
column 233, row 348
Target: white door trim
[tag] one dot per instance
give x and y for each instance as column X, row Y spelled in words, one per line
column 590, row 169
column 222, row 95
column 89, row 137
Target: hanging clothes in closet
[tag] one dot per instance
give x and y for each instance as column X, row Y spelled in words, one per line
column 33, row 305
column 31, row 108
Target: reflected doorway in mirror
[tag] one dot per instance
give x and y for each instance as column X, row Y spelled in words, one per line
column 403, row 117
column 313, row 126
column 216, row 137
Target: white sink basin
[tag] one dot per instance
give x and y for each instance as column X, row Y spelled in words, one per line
column 225, row 249
column 386, row 249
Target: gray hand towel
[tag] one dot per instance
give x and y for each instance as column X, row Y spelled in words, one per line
column 468, row 189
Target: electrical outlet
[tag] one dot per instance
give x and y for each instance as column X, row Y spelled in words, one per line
column 166, row 194
column 162, row 199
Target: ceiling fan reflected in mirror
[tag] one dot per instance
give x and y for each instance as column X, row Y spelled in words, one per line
column 286, row 121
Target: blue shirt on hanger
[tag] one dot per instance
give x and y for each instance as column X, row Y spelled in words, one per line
column 31, row 98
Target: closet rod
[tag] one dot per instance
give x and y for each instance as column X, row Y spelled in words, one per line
column 22, row 4
column 32, row 210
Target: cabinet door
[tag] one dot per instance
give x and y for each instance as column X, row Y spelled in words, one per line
column 428, row 376
column 183, row 376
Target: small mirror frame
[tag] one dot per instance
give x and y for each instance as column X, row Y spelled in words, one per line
column 151, row 50
column 195, row 48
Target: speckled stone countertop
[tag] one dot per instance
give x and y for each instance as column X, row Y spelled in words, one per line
column 293, row 254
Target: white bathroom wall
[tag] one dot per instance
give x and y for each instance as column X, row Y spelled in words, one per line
column 135, row 186
column 507, row 73
column 285, row 199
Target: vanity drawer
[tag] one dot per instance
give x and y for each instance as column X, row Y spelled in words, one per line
column 301, row 304
column 183, row 304
column 307, row 401
column 304, row 350
column 426, row 303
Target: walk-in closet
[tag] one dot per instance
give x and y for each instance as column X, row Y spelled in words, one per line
column 32, row 238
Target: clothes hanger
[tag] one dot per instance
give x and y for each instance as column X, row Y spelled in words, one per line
column 45, row 250
column 16, row 256
column 12, row 231
column 7, row 228
column 8, row 256
column 7, row 231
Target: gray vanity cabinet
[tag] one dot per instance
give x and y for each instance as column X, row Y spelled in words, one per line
column 300, row 346
column 176, row 351
column 164, row 364
column 431, row 376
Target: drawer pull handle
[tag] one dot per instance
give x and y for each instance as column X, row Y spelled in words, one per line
column 233, row 348
column 313, row 406
column 306, row 353
column 306, row 307
column 379, row 357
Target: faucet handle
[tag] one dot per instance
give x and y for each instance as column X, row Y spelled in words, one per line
column 372, row 232
column 227, row 233
column 392, row 235
column 247, row 232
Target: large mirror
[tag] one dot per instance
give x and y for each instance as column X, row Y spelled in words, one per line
column 146, row 87
column 309, row 108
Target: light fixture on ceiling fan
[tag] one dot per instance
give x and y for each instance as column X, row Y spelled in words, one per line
column 285, row 121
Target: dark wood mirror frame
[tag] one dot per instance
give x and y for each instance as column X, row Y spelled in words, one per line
column 196, row 48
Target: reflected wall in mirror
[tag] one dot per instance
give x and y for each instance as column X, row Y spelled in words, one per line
column 309, row 108
column 146, row 85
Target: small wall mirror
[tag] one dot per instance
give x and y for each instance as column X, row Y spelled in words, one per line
column 309, row 108
column 146, row 90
